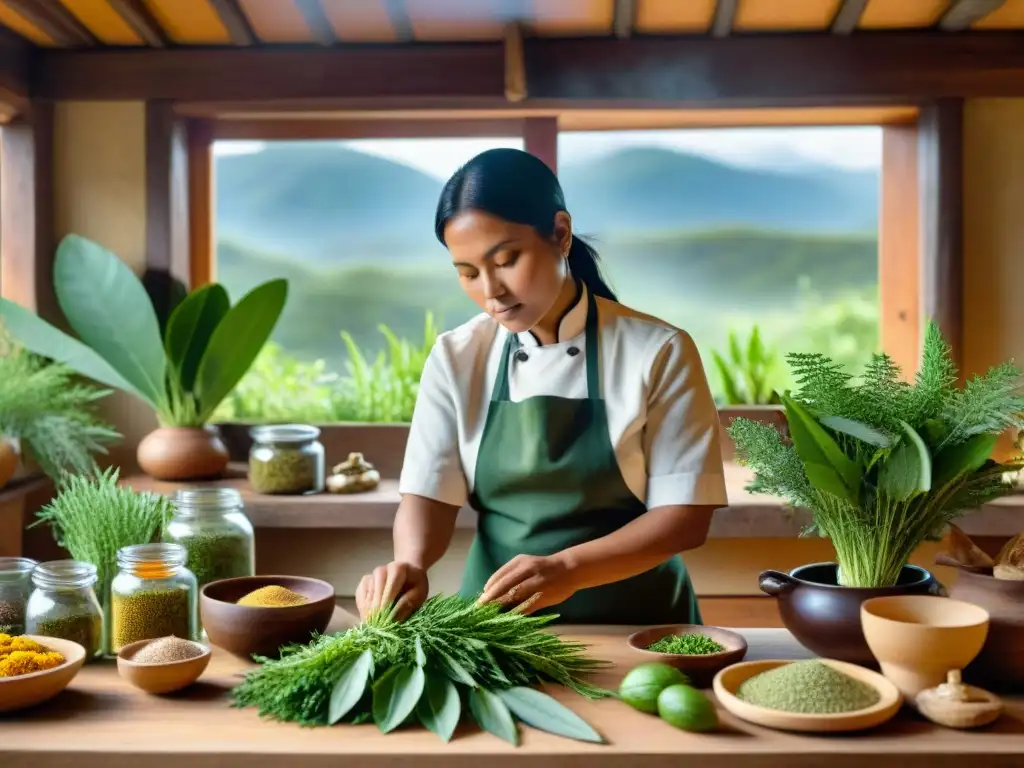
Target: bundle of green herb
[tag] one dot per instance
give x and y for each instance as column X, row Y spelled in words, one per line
column 450, row 652
column 884, row 464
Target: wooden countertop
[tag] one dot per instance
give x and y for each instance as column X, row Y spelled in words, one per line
column 748, row 515
column 99, row 720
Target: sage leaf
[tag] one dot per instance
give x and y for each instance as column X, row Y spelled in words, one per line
column 907, row 470
column 395, row 696
column 827, row 467
column 421, row 657
column 491, row 714
column 962, row 459
column 541, row 711
column 454, row 670
column 190, row 327
column 439, row 707
column 350, row 687
column 859, row 430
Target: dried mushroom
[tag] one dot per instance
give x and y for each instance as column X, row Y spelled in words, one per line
column 956, row 705
column 1010, row 560
column 354, row 475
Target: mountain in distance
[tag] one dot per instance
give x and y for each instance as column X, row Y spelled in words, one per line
column 322, row 202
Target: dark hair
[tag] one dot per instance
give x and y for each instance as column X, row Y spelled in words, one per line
column 516, row 186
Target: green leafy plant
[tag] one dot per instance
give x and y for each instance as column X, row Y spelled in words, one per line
column 747, row 374
column 50, row 412
column 183, row 373
column 450, row 656
column 884, row 464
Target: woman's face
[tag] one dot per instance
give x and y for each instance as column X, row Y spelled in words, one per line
column 511, row 271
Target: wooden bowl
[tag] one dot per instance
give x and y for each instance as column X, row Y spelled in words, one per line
column 160, row 677
column 700, row 668
column 36, row 687
column 728, row 681
column 247, row 630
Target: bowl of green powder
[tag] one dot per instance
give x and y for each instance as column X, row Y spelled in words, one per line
column 813, row 695
column 698, row 650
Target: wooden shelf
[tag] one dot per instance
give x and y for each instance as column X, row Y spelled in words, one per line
column 747, row 516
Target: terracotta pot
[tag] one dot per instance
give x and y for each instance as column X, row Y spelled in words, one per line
column 8, row 461
column 182, row 453
column 824, row 617
column 1000, row 665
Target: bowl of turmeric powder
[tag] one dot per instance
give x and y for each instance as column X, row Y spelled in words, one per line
column 34, row 669
column 257, row 615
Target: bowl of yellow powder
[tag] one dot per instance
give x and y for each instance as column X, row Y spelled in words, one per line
column 34, row 669
column 257, row 615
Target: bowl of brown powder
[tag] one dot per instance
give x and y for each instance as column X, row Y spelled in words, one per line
column 163, row 665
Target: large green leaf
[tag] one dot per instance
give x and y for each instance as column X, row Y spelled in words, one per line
column 395, row 696
column 236, row 342
column 541, row 711
column 108, row 307
column 439, row 708
column 907, row 470
column 827, row 467
column 962, row 458
column 190, row 328
column 37, row 335
column 491, row 714
column 858, row 429
column 350, row 686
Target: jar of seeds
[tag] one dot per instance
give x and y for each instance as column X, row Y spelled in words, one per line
column 153, row 595
column 286, row 459
column 64, row 604
column 15, row 587
column 210, row 523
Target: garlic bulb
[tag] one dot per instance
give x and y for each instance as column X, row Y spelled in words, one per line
column 354, row 475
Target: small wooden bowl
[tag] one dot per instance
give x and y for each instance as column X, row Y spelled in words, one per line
column 728, row 681
column 248, row 630
column 36, row 687
column 160, row 677
column 700, row 668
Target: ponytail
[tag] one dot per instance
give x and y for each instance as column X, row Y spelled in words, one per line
column 583, row 265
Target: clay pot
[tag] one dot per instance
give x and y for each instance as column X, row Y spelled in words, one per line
column 182, row 453
column 825, row 617
column 8, row 461
column 1000, row 665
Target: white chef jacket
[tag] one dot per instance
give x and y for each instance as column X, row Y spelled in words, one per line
column 662, row 418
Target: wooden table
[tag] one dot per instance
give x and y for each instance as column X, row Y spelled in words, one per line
column 101, row 721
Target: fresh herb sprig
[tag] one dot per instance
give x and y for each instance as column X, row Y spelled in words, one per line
column 451, row 654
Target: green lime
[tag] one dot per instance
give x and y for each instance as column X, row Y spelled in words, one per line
column 642, row 684
column 685, row 707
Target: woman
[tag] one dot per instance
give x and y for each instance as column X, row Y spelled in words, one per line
column 583, row 432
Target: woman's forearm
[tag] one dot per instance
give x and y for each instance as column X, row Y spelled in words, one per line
column 637, row 547
column 423, row 530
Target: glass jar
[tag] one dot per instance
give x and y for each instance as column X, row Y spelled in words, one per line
column 286, row 459
column 210, row 523
column 15, row 587
column 64, row 604
column 153, row 595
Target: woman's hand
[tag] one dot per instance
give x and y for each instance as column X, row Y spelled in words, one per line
column 530, row 583
column 403, row 581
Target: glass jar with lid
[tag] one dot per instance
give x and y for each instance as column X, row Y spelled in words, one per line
column 15, row 587
column 153, row 595
column 286, row 459
column 210, row 523
column 64, row 604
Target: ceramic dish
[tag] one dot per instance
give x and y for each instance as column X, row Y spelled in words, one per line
column 36, row 687
column 160, row 677
column 728, row 681
column 701, row 668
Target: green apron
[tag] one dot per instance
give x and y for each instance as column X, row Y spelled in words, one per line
column 547, row 479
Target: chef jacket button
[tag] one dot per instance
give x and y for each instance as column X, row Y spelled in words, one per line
column 573, row 351
column 521, row 356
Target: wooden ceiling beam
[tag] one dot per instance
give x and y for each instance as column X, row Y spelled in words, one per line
column 847, row 18
column 318, row 21
column 725, row 16
column 624, row 19
column 235, row 22
column 137, row 16
column 398, row 15
column 59, row 24
column 15, row 71
column 961, row 14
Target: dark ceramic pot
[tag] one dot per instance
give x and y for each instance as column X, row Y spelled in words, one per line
column 824, row 617
column 1000, row 665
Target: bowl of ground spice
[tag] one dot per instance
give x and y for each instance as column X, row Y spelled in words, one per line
column 813, row 695
column 698, row 650
column 163, row 665
column 35, row 668
column 256, row 615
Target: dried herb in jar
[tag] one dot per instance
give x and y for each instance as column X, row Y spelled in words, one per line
column 284, row 470
column 149, row 614
column 12, row 617
column 86, row 629
column 215, row 556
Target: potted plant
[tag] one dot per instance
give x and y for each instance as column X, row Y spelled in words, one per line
column 183, row 371
column 882, row 465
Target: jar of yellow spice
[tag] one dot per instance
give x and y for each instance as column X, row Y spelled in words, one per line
column 153, row 595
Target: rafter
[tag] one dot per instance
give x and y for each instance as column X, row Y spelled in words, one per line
column 317, row 21
column 625, row 18
column 137, row 16
column 515, row 63
column 847, row 18
column 234, row 20
column 961, row 14
column 725, row 14
column 62, row 26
